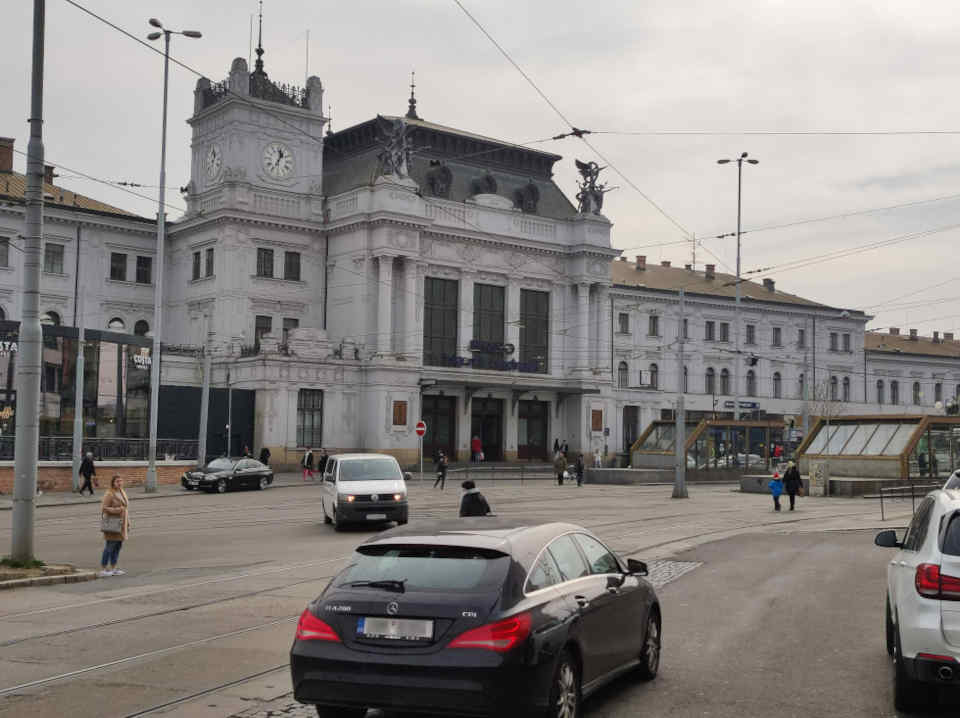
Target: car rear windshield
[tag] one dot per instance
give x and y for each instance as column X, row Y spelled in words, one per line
column 951, row 539
column 220, row 465
column 369, row 470
column 429, row 568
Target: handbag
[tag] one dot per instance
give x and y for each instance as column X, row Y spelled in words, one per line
column 800, row 490
column 111, row 524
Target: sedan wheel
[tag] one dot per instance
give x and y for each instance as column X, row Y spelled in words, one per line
column 263, row 483
column 650, row 655
column 565, row 694
column 222, row 486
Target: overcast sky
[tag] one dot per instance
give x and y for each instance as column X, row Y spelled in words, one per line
column 618, row 66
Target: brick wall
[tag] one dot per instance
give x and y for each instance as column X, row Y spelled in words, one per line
column 58, row 475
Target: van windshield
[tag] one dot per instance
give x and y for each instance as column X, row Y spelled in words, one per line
column 370, row 470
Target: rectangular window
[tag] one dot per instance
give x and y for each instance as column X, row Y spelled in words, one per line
column 686, row 328
column 596, row 420
column 489, row 304
column 710, row 331
column 264, row 262
column 262, row 325
column 777, row 337
column 209, row 268
column 846, row 342
column 801, row 338
column 4, row 252
column 834, row 346
column 310, row 417
column 624, row 323
column 118, row 266
column 751, row 334
column 196, row 265
column 53, row 258
column 440, row 321
column 144, row 270
column 535, row 330
column 399, row 413
column 654, row 327
column 289, row 324
column 724, row 331
column 291, row 266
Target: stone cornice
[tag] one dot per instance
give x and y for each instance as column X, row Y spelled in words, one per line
column 53, row 214
column 198, row 222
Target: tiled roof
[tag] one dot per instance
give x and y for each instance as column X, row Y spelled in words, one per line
column 903, row 344
column 672, row 279
column 13, row 185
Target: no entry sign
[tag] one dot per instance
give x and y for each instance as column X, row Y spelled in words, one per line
column 421, row 428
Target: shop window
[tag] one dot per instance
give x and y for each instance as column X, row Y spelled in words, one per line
column 310, row 418
column 144, row 270
column 440, row 320
column 596, row 420
column 399, row 413
column 623, row 375
column 264, row 262
column 535, row 329
column 291, row 266
column 53, row 258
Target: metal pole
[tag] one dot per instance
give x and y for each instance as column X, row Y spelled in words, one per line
column 736, row 364
column 806, row 384
column 205, row 396
column 78, row 400
column 151, row 484
column 30, row 338
column 229, row 415
column 680, row 434
column 421, row 458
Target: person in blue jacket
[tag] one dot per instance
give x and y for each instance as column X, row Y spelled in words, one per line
column 776, row 488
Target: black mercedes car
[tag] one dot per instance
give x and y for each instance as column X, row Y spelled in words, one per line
column 476, row 616
column 223, row 474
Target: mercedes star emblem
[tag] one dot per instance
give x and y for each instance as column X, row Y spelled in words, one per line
column 393, row 608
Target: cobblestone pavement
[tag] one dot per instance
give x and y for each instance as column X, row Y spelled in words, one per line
column 662, row 572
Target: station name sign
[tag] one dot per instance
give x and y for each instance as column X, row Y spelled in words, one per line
column 484, row 361
column 142, row 359
column 477, row 345
column 7, row 348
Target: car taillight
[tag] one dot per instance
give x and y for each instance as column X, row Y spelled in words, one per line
column 931, row 583
column 311, row 628
column 500, row 636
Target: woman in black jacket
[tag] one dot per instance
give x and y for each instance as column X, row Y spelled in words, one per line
column 792, row 482
column 473, row 503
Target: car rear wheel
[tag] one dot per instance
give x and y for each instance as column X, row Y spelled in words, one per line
column 222, row 486
column 908, row 695
column 336, row 712
column 650, row 654
column 565, row 691
column 263, row 483
column 890, row 628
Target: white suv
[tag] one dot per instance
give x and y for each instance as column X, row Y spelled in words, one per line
column 923, row 601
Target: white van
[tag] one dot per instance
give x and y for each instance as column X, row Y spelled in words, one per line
column 363, row 488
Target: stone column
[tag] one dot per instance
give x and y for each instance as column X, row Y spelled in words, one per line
column 604, row 348
column 512, row 329
column 385, row 304
column 413, row 303
column 466, row 311
column 557, row 336
column 582, row 330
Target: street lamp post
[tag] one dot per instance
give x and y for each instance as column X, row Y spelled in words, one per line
column 151, row 484
column 736, row 366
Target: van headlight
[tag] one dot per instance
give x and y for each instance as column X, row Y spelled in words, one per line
column 349, row 498
column 398, row 497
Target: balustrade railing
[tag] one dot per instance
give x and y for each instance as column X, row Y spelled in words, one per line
column 60, row 448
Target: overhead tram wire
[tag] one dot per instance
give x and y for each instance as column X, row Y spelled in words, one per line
column 772, row 133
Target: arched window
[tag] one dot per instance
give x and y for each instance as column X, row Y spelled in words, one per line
column 880, row 391
column 116, row 325
column 686, row 380
column 3, row 314
column 777, row 385
column 623, row 375
column 800, row 387
column 938, row 392
column 54, row 318
column 141, row 328
column 724, row 381
column 917, row 398
column 710, row 382
column 751, row 383
column 846, row 388
column 654, row 376
column 894, row 392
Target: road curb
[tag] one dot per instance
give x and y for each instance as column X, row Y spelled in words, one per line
column 78, row 577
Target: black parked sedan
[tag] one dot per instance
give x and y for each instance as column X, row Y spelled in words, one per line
column 223, row 474
column 476, row 616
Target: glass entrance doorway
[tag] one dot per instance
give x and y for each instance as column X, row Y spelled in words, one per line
column 440, row 415
column 487, row 423
column 532, row 430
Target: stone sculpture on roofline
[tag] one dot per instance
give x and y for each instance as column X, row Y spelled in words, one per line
column 396, row 146
column 591, row 193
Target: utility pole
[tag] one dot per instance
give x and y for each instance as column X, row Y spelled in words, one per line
column 806, row 384
column 680, row 433
column 78, row 398
column 205, row 395
column 26, row 443
column 229, row 414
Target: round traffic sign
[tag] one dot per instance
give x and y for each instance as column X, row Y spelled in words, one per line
column 421, row 428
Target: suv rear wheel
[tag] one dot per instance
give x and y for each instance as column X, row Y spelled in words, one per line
column 908, row 694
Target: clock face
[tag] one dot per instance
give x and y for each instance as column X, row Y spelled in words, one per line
column 214, row 162
column 278, row 160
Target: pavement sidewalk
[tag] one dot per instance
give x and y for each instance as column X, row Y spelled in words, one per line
column 135, row 493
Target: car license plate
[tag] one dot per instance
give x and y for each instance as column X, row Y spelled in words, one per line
column 398, row 629
column 376, row 517
column 193, row 482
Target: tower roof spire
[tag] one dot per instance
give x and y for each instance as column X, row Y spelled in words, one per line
column 259, row 50
column 412, row 102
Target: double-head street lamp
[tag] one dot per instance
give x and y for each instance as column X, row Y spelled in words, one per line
column 163, row 32
column 736, row 370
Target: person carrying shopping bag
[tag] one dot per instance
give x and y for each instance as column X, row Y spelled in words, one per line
column 115, row 525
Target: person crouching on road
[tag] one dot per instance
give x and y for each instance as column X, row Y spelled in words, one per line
column 560, row 466
column 792, row 482
column 114, row 504
column 473, row 502
column 776, row 488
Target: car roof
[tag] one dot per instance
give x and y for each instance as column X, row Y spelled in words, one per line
column 950, row 498
column 350, row 457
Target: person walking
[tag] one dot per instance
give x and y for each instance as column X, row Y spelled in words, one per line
column 579, row 468
column 566, row 450
column 476, row 448
column 556, row 445
column 776, row 488
column 441, row 472
column 247, row 454
column 265, row 456
column 322, row 461
column 473, row 503
column 87, row 471
column 792, row 482
column 560, row 466
column 307, row 464
column 114, row 505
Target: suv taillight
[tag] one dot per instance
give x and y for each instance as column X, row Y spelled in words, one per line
column 931, row 583
column 311, row 628
column 500, row 636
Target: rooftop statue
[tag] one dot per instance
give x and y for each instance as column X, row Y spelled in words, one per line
column 591, row 193
column 396, row 145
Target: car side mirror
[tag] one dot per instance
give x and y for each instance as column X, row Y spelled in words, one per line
column 407, row 476
column 638, row 568
column 887, row 539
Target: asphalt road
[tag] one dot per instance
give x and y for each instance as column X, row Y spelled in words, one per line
column 788, row 620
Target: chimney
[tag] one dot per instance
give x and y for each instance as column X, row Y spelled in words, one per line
column 48, row 174
column 936, row 337
column 665, row 263
column 913, row 335
column 769, row 285
column 948, row 336
column 709, row 273
column 894, row 331
column 6, row 154
column 641, row 262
